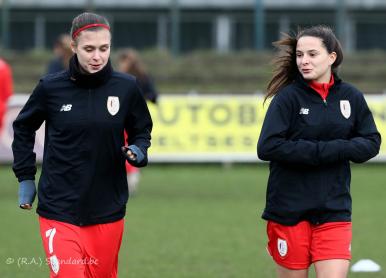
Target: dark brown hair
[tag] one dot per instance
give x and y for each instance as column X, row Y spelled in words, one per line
column 85, row 19
column 134, row 64
column 285, row 62
column 62, row 47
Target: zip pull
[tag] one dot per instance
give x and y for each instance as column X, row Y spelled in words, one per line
column 325, row 102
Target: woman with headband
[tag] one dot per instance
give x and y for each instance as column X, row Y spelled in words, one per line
column 316, row 124
column 82, row 189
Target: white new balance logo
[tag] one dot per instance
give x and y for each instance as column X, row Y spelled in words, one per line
column 304, row 111
column 66, row 107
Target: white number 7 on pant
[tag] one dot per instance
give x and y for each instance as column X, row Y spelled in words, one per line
column 50, row 234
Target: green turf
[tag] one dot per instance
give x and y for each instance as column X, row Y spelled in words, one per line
column 195, row 221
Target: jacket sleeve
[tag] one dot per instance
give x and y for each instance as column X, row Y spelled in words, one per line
column 6, row 89
column 139, row 124
column 6, row 83
column 27, row 122
column 366, row 141
column 274, row 145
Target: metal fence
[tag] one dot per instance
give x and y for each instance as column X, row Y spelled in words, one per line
column 221, row 25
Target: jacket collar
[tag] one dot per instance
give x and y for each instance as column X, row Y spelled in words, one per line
column 303, row 83
column 91, row 80
column 323, row 89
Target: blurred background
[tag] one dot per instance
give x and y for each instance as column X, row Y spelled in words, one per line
column 196, row 212
column 180, row 38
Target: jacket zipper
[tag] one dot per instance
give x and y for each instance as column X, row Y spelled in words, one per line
column 89, row 118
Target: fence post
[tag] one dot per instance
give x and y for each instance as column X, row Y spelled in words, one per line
column 5, row 23
column 259, row 25
column 175, row 14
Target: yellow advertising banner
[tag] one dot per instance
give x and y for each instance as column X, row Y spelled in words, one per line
column 197, row 128
column 377, row 105
column 218, row 128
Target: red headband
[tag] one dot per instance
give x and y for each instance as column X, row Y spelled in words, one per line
column 76, row 33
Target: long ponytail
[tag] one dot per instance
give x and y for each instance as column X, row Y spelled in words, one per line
column 285, row 65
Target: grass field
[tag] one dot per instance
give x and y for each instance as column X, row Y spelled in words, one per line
column 195, row 221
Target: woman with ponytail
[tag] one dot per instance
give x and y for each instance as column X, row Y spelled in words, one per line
column 315, row 125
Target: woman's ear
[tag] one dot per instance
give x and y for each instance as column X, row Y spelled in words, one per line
column 73, row 46
column 332, row 57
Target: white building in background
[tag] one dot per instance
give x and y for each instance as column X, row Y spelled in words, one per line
column 224, row 25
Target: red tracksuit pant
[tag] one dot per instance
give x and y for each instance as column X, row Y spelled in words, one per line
column 81, row 252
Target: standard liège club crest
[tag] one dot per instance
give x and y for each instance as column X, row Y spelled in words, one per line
column 113, row 105
column 282, row 247
column 345, row 108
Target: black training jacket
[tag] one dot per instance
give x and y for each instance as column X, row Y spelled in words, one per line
column 83, row 179
column 309, row 144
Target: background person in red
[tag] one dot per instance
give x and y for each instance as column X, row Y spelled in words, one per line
column 6, row 89
column 130, row 62
column 82, row 188
column 315, row 125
